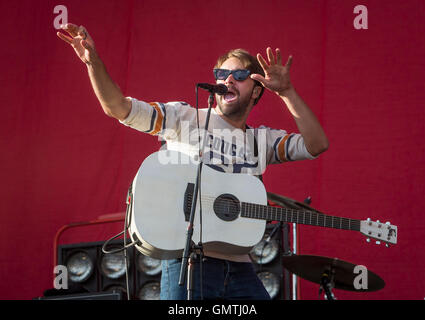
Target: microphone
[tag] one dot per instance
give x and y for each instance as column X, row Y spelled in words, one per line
column 219, row 89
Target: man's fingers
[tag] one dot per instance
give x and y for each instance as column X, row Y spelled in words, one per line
column 75, row 30
column 258, row 77
column 82, row 32
column 71, row 26
column 86, row 45
column 270, row 56
column 72, row 29
column 289, row 62
column 278, row 57
column 64, row 37
column 262, row 62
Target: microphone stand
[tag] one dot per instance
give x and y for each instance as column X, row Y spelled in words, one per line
column 189, row 253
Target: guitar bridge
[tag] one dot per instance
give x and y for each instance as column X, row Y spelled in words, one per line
column 187, row 203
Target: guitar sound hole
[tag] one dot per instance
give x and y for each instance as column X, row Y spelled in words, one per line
column 227, row 207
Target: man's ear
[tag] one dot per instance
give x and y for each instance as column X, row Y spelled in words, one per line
column 256, row 92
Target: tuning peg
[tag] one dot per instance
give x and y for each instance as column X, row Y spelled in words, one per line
column 387, row 245
column 377, row 221
column 367, row 239
column 378, row 242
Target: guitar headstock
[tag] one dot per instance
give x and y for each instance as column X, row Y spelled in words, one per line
column 380, row 231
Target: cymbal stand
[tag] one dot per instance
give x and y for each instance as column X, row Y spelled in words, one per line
column 327, row 283
column 294, row 251
column 295, row 247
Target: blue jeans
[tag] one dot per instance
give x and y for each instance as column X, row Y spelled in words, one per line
column 221, row 279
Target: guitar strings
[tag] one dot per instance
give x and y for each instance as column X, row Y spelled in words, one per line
column 226, row 204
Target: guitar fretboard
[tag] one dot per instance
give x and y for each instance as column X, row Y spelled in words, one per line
column 257, row 211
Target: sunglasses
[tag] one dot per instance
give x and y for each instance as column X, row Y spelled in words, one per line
column 239, row 74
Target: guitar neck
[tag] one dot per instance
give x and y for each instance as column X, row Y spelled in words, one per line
column 307, row 217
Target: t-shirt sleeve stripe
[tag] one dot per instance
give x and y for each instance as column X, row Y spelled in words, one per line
column 153, row 117
column 288, row 138
column 159, row 119
column 164, row 112
column 276, row 154
column 281, row 149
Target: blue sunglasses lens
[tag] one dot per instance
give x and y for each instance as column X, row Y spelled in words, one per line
column 239, row 75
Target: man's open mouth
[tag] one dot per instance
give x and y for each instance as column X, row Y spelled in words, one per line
column 230, row 96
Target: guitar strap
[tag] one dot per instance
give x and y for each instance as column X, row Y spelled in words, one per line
column 255, row 150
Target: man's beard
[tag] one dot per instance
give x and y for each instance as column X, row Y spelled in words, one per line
column 236, row 110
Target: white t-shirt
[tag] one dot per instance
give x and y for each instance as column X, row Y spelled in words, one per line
column 227, row 148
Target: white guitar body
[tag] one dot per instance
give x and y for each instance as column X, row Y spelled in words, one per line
column 157, row 214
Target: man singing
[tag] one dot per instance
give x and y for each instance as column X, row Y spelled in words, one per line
column 224, row 276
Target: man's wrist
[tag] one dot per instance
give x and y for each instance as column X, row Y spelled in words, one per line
column 286, row 93
column 94, row 62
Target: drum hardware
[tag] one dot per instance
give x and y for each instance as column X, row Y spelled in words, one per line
column 331, row 273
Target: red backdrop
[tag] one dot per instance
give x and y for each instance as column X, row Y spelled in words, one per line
column 63, row 160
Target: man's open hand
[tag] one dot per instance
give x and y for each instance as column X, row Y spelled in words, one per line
column 80, row 40
column 276, row 75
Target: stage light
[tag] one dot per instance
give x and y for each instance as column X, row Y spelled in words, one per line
column 113, row 265
column 266, row 257
column 271, row 282
column 265, row 251
column 96, row 272
column 80, row 267
column 148, row 277
column 149, row 291
column 148, row 265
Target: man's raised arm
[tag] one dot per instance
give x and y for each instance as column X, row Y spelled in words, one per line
column 277, row 79
column 108, row 93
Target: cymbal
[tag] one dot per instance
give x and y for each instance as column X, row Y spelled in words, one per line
column 312, row 268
